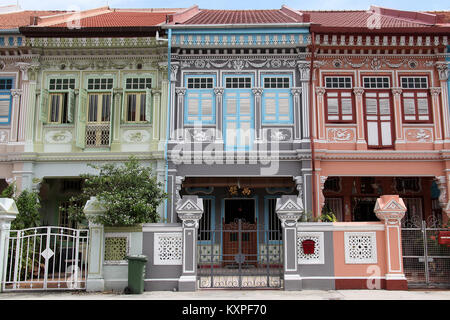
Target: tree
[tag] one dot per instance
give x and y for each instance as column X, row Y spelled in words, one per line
column 28, row 204
column 129, row 193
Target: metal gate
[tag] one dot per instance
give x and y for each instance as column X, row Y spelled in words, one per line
column 46, row 258
column 426, row 263
column 240, row 255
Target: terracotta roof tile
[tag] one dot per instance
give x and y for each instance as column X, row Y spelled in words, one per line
column 358, row 19
column 122, row 19
column 19, row 19
column 240, row 17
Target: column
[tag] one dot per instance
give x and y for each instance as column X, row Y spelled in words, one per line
column 391, row 209
column 156, row 117
column 298, row 108
column 25, row 105
column 173, row 115
column 361, row 143
column 435, row 106
column 257, row 92
column 8, row 212
column 289, row 209
column 320, row 122
column 179, row 124
column 442, row 68
column 95, row 280
column 16, row 93
column 190, row 211
column 118, row 105
column 321, row 197
column 397, row 93
column 304, row 70
column 219, row 114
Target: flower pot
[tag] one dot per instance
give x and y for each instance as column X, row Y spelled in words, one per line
column 308, row 246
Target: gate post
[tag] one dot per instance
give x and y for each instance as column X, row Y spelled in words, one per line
column 190, row 211
column 289, row 209
column 391, row 209
column 95, row 280
column 8, row 212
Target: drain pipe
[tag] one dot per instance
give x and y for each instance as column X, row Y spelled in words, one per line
column 311, row 123
column 166, row 159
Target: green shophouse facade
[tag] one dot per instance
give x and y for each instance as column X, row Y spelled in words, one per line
column 100, row 97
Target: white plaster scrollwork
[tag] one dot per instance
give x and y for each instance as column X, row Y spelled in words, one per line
column 3, row 136
column 442, row 68
column 396, row 91
column 173, row 72
column 58, row 136
column 436, row 91
column 257, row 91
column 219, row 91
column 278, row 135
column 341, row 135
column 136, row 136
column 320, row 91
column 419, row 135
column 358, row 91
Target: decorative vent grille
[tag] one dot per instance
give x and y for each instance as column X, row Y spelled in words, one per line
column 116, row 248
column 168, row 249
column 318, row 256
column 360, row 247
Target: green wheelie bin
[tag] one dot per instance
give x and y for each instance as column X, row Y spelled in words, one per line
column 136, row 273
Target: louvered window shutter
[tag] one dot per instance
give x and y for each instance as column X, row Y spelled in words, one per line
column 43, row 114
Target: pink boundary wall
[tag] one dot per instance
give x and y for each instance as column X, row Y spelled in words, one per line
column 387, row 271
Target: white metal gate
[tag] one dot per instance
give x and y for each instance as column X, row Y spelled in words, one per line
column 46, row 258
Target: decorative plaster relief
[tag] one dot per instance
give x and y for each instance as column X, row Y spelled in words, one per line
column 419, row 135
column 278, row 134
column 200, row 135
column 136, row 136
column 3, row 136
column 168, row 249
column 58, row 136
column 341, row 134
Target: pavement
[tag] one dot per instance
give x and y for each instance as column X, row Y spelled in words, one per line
column 230, row 295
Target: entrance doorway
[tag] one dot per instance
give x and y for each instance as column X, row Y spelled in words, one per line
column 363, row 209
column 243, row 209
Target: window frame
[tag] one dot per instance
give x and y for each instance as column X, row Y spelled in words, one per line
column 7, row 93
column 64, row 93
column 277, row 120
column 415, row 91
column 339, row 98
column 200, row 91
column 391, row 114
column 99, row 111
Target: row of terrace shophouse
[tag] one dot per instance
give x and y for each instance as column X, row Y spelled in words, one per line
column 244, row 115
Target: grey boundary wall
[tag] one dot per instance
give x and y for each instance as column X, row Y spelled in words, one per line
column 160, row 277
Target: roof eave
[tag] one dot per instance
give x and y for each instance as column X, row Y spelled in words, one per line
column 397, row 30
column 236, row 26
column 89, row 31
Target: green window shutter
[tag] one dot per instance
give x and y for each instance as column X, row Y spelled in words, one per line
column 148, row 105
column 43, row 115
column 111, row 117
column 81, row 123
column 70, row 105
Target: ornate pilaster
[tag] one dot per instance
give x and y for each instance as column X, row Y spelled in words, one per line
column 178, row 185
column 320, row 122
column 304, row 70
column 360, row 136
column 179, row 126
column 435, row 93
column 15, row 113
column 299, row 110
column 442, row 68
column 118, row 95
column 190, row 211
column 289, row 209
column 441, row 182
column 397, row 93
column 322, row 180
column 218, row 91
column 391, row 209
column 257, row 92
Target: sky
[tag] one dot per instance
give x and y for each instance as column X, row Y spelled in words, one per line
column 418, row 5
